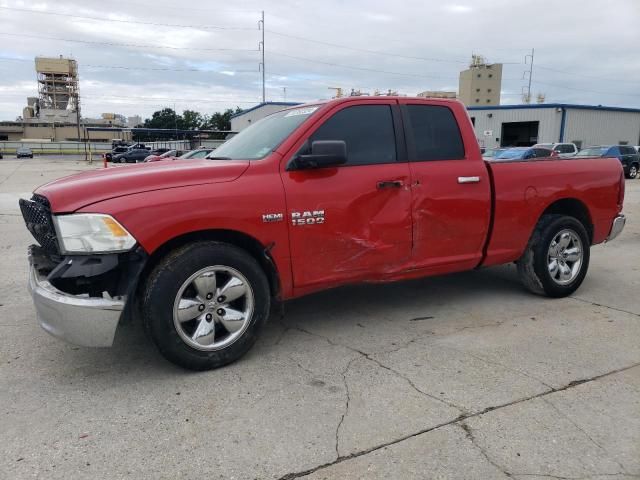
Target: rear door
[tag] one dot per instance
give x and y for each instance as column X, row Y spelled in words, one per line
column 352, row 221
column 450, row 188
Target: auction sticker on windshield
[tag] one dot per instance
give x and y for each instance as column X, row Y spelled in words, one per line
column 301, row 111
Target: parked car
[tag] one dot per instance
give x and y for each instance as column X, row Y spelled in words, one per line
column 132, row 155
column 115, row 151
column 198, row 153
column 524, row 153
column 491, row 153
column 23, row 151
column 628, row 156
column 163, row 155
column 563, row 150
column 0, row 154
column 306, row 199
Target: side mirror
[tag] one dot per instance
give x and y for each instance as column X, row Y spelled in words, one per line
column 324, row 153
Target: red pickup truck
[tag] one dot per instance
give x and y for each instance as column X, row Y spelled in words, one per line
column 360, row 189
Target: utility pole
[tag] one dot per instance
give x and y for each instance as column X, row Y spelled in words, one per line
column 530, row 74
column 261, row 25
column 284, row 94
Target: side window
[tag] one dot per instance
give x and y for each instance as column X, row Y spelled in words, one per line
column 366, row 129
column 435, row 133
column 542, row 152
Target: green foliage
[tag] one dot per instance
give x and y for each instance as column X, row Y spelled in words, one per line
column 190, row 120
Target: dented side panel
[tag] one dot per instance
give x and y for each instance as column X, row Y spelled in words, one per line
column 342, row 226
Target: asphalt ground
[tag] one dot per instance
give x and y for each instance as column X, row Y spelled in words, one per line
column 462, row 376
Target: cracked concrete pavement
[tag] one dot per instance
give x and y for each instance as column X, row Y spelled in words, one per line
column 463, row 376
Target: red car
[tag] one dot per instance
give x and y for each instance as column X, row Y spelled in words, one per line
column 178, row 155
column 358, row 189
column 162, row 156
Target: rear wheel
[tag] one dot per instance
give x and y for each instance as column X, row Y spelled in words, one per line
column 557, row 257
column 633, row 171
column 204, row 305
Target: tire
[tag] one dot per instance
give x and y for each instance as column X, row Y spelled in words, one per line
column 165, row 291
column 633, row 171
column 535, row 265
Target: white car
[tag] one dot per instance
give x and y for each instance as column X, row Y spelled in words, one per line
column 564, row 150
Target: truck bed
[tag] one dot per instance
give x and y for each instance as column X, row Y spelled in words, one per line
column 591, row 185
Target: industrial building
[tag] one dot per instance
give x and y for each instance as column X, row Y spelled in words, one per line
column 251, row 115
column 524, row 125
column 54, row 115
column 480, row 84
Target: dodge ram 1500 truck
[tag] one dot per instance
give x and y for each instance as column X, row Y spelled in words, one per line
column 360, row 189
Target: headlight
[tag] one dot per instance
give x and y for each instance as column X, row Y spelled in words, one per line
column 92, row 233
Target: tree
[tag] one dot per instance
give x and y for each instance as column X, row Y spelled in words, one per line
column 165, row 118
column 220, row 121
column 192, row 120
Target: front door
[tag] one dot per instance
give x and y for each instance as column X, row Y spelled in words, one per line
column 351, row 221
column 451, row 193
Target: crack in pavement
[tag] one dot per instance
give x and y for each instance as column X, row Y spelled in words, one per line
column 605, row 306
column 469, row 433
column 380, row 364
column 346, row 407
column 591, row 439
column 546, row 475
column 461, row 418
column 491, row 362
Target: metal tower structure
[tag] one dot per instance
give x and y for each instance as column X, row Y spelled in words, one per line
column 57, row 84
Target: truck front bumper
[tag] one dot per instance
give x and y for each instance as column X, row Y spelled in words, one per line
column 616, row 227
column 78, row 319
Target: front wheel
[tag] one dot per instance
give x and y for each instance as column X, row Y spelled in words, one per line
column 557, row 257
column 204, row 305
column 633, row 171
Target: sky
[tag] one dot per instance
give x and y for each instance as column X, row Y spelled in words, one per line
column 138, row 56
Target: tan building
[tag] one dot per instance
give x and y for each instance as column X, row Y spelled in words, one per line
column 55, row 132
column 480, row 84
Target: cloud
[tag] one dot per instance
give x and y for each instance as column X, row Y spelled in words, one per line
column 410, row 47
column 458, row 8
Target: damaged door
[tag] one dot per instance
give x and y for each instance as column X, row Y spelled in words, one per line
column 353, row 220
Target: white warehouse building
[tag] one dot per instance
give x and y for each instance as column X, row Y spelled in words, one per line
column 584, row 125
column 243, row 119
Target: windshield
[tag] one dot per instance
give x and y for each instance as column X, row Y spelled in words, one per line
column 592, row 152
column 492, row 152
column 511, row 154
column 170, row 153
column 264, row 136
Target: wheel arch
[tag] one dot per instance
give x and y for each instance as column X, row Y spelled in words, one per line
column 241, row 240
column 572, row 207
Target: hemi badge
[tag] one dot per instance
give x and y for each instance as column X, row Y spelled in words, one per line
column 272, row 217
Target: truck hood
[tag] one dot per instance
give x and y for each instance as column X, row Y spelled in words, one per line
column 68, row 194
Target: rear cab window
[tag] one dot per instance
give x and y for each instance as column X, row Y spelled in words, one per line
column 432, row 133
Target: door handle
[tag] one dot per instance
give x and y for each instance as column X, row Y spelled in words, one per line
column 468, row 179
column 389, row 184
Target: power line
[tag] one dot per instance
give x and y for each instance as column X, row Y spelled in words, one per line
column 123, row 67
column 137, row 22
column 352, row 67
column 139, row 97
column 574, row 74
column 113, row 44
column 589, row 91
column 365, row 50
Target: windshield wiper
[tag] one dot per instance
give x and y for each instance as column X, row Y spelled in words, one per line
column 219, row 158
